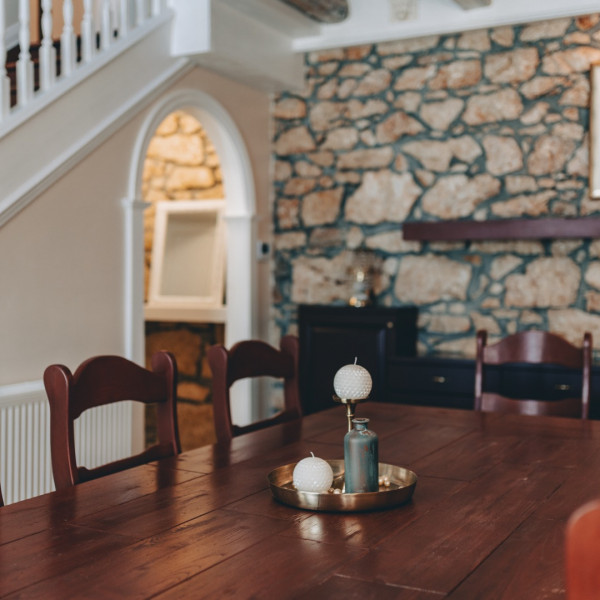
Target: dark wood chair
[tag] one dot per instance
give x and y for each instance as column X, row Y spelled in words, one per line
column 533, row 347
column 582, row 553
column 104, row 380
column 1, row 500
column 253, row 358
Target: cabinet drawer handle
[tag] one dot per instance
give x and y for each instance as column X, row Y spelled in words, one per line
column 563, row 387
column 438, row 379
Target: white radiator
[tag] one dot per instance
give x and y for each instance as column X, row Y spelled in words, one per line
column 102, row 435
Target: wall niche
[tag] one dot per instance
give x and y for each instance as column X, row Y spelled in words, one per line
column 182, row 166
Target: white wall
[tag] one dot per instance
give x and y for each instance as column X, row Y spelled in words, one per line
column 61, row 258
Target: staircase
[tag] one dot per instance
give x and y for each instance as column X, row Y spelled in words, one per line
column 31, row 70
column 63, row 93
column 34, row 51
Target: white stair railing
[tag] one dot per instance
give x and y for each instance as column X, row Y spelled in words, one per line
column 88, row 35
column 4, row 79
column 123, row 18
column 157, row 6
column 106, row 28
column 67, row 40
column 47, row 49
column 104, row 24
column 24, row 64
column 140, row 11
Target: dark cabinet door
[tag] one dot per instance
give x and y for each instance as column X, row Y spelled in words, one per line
column 450, row 382
column 431, row 381
column 331, row 337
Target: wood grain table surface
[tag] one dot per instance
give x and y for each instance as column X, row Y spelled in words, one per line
column 486, row 520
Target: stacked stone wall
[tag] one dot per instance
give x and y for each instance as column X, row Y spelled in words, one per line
column 491, row 124
column 182, row 164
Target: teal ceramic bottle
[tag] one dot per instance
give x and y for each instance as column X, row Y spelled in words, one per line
column 361, row 458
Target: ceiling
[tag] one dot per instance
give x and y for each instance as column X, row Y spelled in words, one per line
column 262, row 42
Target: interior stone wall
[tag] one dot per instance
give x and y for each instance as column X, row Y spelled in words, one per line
column 490, row 124
column 182, row 164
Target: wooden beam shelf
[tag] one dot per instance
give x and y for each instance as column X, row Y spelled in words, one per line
column 469, row 4
column 502, row 229
column 323, row 11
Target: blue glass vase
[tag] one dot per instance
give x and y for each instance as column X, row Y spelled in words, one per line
column 361, row 458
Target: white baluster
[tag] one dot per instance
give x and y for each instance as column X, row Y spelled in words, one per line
column 24, row 64
column 47, row 49
column 88, row 35
column 123, row 18
column 4, row 80
column 140, row 11
column 106, row 30
column 67, row 40
column 156, row 7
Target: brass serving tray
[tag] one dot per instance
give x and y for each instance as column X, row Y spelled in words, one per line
column 401, row 488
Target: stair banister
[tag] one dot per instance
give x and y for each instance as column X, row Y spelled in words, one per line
column 67, row 40
column 88, row 35
column 156, row 7
column 47, row 49
column 105, row 28
column 4, row 80
column 29, row 78
column 140, row 12
column 24, row 63
column 123, row 18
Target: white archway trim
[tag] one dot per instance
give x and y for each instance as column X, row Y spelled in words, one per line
column 240, row 209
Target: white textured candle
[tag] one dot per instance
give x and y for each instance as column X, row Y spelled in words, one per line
column 312, row 474
column 352, row 382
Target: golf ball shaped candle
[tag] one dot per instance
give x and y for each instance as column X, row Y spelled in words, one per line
column 312, row 474
column 352, row 382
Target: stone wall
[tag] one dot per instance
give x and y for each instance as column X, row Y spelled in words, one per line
column 490, row 124
column 181, row 164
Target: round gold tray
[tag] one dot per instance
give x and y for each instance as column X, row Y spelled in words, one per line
column 401, row 488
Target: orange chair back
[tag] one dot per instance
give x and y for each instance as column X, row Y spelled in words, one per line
column 582, row 553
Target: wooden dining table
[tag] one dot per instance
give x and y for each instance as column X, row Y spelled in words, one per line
column 486, row 521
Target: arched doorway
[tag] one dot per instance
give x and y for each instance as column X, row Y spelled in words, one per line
column 239, row 225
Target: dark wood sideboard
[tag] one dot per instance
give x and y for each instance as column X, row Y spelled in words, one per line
column 384, row 341
column 332, row 336
column 450, row 382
